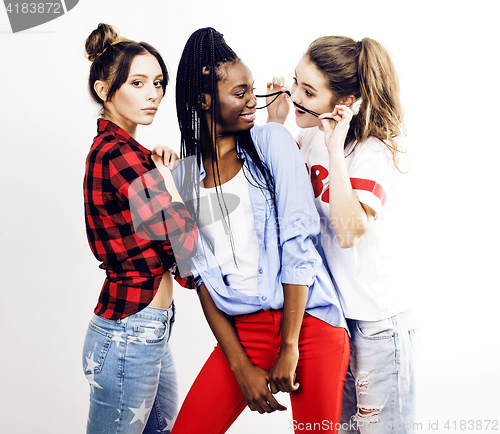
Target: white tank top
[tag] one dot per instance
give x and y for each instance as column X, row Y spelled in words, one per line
column 242, row 274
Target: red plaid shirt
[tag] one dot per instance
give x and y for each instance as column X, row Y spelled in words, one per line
column 127, row 223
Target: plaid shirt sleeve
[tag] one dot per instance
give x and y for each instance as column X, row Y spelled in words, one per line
column 136, row 233
column 155, row 217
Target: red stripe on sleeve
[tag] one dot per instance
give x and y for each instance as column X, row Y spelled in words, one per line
column 371, row 186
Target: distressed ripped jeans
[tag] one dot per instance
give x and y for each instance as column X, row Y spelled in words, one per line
column 129, row 366
column 379, row 392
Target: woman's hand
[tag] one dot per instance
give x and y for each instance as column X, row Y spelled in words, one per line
column 253, row 382
column 282, row 375
column 279, row 109
column 168, row 156
column 167, row 175
column 336, row 130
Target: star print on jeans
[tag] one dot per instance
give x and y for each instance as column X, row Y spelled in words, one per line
column 140, row 413
column 92, row 382
column 117, row 337
column 91, row 364
column 168, row 427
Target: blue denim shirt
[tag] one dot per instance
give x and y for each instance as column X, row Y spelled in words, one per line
column 287, row 255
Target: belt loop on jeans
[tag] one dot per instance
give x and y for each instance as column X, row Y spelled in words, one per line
column 173, row 312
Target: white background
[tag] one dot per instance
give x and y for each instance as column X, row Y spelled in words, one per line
column 447, row 57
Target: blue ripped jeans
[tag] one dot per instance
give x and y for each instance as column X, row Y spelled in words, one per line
column 131, row 373
column 379, row 392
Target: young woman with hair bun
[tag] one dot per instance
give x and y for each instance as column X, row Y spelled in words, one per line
column 346, row 97
column 265, row 292
column 141, row 232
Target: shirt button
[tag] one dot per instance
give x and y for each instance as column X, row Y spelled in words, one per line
column 260, row 270
column 264, row 298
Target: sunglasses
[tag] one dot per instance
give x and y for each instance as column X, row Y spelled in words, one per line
column 277, row 94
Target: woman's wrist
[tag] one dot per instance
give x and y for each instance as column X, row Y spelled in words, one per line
column 240, row 365
column 336, row 146
column 276, row 120
column 289, row 346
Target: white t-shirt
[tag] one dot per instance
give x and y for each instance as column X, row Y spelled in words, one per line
column 363, row 272
column 242, row 275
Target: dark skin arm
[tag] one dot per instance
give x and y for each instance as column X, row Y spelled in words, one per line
column 251, row 379
column 282, row 374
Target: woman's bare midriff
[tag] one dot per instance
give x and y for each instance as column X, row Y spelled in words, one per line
column 165, row 294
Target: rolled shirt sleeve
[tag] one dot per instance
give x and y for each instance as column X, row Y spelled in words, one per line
column 154, row 215
column 298, row 217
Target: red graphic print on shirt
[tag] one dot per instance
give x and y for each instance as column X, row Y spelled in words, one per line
column 318, row 175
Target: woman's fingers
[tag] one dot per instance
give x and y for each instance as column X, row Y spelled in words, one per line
column 328, row 121
column 278, row 107
column 277, row 83
column 266, row 404
column 274, row 404
column 340, row 114
column 344, row 112
column 169, row 156
column 253, row 383
column 274, row 387
column 284, row 385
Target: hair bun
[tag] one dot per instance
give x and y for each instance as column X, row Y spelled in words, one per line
column 100, row 39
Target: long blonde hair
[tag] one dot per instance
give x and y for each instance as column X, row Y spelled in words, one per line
column 363, row 69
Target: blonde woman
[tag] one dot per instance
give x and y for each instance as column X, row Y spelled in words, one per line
column 352, row 161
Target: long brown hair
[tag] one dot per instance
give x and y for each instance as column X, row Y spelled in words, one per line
column 363, row 69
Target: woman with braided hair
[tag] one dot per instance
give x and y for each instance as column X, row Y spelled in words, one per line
column 265, row 292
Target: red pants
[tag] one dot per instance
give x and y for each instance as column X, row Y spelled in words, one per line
column 215, row 401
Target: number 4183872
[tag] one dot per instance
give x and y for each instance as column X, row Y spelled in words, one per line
column 471, row 425
column 34, row 8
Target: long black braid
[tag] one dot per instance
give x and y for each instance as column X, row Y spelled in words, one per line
column 199, row 72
